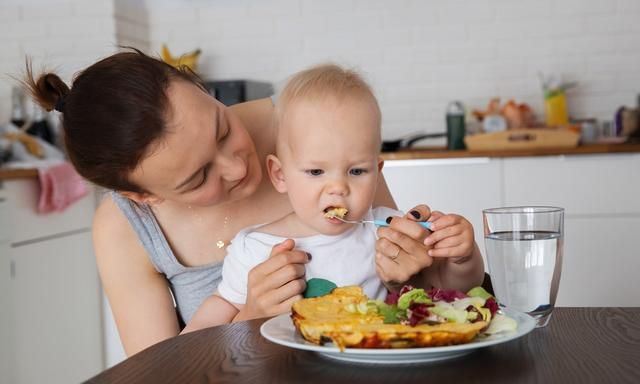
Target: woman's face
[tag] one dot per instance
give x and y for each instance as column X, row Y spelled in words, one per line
column 206, row 156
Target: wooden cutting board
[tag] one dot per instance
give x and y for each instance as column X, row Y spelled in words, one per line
column 522, row 139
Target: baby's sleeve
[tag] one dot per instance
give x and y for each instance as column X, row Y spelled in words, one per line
column 242, row 255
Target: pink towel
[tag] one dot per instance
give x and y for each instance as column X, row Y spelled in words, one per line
column 60, row 186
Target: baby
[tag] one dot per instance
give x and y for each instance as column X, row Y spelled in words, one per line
column 328, row 162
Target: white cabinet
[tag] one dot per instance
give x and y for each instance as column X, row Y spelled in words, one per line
column 464, row 186
column 601, row 262
column 584, row 185
column 51, row 300
column 600, row 194
column 6, row 322
column 601, row 197
column 27, row 224
column 56, row 310
column 6, row 357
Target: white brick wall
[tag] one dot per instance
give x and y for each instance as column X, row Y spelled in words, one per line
column 64, row 36
column 420, row 54
column 132, row 24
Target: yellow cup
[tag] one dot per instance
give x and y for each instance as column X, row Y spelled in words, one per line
column 555, row 109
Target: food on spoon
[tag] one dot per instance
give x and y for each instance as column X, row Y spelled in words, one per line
column 411, row 318
column 333, row 212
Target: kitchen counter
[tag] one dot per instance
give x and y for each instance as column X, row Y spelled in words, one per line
column 443, row 153
column 433, row 153
column 17, row 173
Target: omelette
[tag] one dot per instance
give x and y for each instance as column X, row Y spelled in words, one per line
column 347, row 318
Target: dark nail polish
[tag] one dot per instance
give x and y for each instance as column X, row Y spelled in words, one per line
column 389, row 219
column 415, row 214
column 308, row 255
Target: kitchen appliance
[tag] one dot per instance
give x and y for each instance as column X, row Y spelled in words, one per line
column 408, row 141
column 230, row 92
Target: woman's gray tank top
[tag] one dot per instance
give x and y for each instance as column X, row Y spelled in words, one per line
column 189, row 285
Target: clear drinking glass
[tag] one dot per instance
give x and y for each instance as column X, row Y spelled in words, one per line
column 524, row 254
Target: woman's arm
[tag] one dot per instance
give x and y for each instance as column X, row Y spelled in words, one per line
column 139, row 296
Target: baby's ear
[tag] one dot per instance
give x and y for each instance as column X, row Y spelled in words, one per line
column 274, row 168
column 380, row 164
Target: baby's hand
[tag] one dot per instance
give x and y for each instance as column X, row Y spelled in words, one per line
column 452, row 237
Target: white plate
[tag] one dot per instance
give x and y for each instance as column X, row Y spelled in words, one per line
column 280, row 330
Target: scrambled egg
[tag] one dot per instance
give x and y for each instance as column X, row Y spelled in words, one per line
column 339, row 212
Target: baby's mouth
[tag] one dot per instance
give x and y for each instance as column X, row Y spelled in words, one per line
column 332, row 212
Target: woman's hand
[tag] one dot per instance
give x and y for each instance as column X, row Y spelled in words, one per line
column 400, row 249
column 405, row 251
column 275, row 284
column 452, row 237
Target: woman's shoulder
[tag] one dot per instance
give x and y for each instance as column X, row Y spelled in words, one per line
column 119, row 253
column 255, row 114
column 257, row 118
column 112, row 232
column 108, row 215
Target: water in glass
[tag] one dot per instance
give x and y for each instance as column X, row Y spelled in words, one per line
column 524, row 256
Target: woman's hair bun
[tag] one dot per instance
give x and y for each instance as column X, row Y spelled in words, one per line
column 48, row 89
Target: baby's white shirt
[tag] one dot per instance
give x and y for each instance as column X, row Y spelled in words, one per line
column 345, row 259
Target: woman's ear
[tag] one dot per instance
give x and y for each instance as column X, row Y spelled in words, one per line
column 142, row 197
column 274, row 168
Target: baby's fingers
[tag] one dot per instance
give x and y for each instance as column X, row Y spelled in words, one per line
column 442, row 233
column 444, row 221
column 446, row 252
column 435, row 215
column 450, row 242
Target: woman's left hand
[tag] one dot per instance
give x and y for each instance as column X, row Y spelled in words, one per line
column 400, row 249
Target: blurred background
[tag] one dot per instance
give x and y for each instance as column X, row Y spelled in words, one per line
column 419, row 55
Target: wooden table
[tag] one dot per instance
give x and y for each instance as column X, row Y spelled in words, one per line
column 580, row 345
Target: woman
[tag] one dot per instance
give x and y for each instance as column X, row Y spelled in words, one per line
column 189, row 174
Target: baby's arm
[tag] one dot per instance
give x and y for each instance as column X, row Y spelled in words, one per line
column 214, row 311
column 453, row 247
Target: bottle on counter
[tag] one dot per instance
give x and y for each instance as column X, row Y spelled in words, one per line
column 18, row 115
column 40, row 126
column 635, row 136
column 455, row 125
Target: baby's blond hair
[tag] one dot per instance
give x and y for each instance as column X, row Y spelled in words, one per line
column 321, row 82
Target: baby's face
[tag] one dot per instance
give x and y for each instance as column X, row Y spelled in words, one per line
column 330, row 159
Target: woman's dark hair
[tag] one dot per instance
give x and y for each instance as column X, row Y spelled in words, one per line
column 114, row 111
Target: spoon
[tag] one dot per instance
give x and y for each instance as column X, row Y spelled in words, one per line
column 380, row 223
